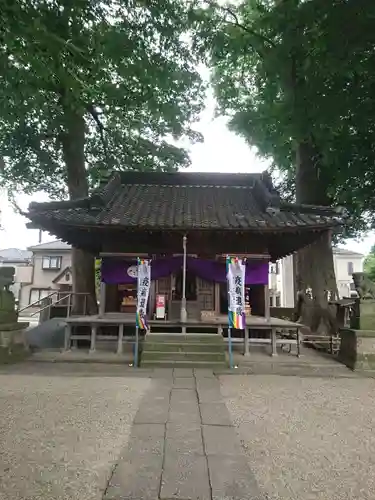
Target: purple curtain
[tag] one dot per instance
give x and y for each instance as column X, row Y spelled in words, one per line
column 212, row 270
column 114, row 271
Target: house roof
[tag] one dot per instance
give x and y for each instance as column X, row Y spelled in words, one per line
column 51, row 245
column 14, row 255
column 65, row 271
column 346, row 252
column 185, row 201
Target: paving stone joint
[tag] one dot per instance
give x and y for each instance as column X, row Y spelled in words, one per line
column 183, row 445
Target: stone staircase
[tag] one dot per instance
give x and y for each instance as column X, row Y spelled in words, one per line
column 178, row 350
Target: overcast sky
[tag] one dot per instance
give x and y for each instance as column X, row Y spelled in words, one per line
column 222, row 151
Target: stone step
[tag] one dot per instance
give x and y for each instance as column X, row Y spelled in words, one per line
column 81, row 357
column 168, row 363
column 184, row 346
column 292, row 362
column 184, row 338
column 187, row 356
column 334, row 371
column 183, row 350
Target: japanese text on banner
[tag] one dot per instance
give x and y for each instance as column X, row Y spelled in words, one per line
column 236, row 270
column 143, row 290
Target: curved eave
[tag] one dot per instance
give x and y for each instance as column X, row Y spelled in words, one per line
column 42, row 222
column 280, row 241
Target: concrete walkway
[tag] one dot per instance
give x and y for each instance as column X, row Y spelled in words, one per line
column 183, row 445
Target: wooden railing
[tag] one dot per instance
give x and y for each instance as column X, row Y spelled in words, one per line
column 329, row 343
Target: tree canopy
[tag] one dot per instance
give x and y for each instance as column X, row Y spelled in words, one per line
column 369, row 264
column 119, row 78
column 90, row 86
column 293, row 71
column 296, row 79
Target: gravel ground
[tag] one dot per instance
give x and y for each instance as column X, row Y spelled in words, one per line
column 306, row 438
column 60, row 437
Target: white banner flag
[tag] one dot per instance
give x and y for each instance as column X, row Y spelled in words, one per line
column 236, row 272
column 143, row 290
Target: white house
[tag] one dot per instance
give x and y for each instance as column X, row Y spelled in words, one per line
column 281, row 282
column 21, row 261
column 51, row 271
column 346, row 262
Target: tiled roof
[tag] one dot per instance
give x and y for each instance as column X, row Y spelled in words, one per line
column 346, row 252
column 186, row 201
column 51, row 245
column 14, row 255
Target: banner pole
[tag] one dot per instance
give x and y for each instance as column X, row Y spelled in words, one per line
column 143, row 295
column 183, row 311
column 236, row 277
column 135, row 353
column 136, row 347
column 230, row 352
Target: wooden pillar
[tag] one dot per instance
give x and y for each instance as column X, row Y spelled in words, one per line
column 151, row 300
column 172, row 284
column 93, row 338
column 183, row 311
column 68, row 332
column 120, row 338
column 103, row 289
column 273, row 341
column 267, row 312
column 217, row 298
column 246, row 342
column 298, row 343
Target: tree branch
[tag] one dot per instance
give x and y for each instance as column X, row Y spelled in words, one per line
column 14, row 204
column 95, row 115
column 237, row 23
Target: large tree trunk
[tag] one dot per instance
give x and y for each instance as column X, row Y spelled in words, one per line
column 314, row 270
column 315, row 274
column 83, row 263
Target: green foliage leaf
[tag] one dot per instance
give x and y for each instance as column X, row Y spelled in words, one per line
column 369, row 264
column 298, row 70
column 129, row 66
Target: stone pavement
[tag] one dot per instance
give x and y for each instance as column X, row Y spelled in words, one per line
column 183, row 445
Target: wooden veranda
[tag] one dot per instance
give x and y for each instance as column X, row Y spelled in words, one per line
column 274, row 327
